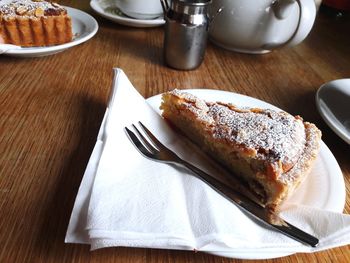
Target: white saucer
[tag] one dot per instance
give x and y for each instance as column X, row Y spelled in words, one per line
column 108, row 9
column 333, row 103
column 84, row 27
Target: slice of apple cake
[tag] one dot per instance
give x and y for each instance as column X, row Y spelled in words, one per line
column 269, row 151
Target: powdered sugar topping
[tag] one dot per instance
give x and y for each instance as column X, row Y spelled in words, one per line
column 270, row 135
column 273, row 135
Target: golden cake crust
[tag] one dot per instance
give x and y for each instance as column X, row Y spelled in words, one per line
column 271, row 151
column 30, row 23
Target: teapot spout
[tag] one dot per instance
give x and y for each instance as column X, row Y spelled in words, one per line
column 282, row 8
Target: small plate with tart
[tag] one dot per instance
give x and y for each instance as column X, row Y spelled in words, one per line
column 84, row 27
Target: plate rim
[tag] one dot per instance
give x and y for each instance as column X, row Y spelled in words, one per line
column 43, row 51
column 94, row 4
column 325, row 152
column 328, row 120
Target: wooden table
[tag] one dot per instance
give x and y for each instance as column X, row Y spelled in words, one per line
column 52, row 107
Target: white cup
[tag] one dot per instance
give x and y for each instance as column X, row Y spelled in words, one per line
column 140, row 9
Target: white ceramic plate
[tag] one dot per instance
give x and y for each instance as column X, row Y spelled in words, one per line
column 108, row 9
column 84, row 27
column 326, row 176
column 333, row 103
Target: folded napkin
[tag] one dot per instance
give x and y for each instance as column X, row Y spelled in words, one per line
column 128, row 200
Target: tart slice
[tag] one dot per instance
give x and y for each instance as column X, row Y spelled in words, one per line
column 30, row 23
column 270, row 152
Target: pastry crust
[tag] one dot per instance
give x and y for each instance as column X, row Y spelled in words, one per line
column 29, row 23
column 269, row 151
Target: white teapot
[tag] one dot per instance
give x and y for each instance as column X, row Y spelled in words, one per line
column 259, row 26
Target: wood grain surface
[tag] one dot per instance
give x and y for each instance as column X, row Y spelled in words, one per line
column 51, row 109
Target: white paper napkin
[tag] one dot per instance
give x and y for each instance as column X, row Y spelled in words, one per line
column 128, row 200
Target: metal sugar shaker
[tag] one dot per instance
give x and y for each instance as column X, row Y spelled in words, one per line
column 186, row 31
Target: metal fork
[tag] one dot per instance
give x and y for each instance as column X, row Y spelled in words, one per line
column 152, row 148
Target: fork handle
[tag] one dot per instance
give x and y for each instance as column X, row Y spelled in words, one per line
column 262, row 214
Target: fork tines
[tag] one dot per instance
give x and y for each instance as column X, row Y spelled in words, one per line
column 144, row 140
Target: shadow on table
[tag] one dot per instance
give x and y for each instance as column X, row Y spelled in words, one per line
column 134, row 42
column 50, row 239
